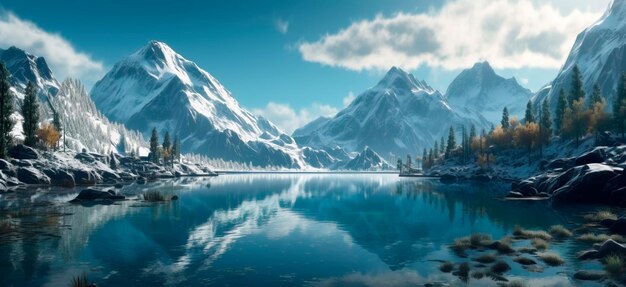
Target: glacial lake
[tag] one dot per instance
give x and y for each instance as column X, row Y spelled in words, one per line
column 272, row 230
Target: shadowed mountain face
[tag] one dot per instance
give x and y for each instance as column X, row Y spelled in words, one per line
column 25, row 67
column 401, row 115
column 481, row 90
column 156, row 87
column 599, row 52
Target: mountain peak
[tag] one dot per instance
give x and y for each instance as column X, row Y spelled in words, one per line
column 484, row 69
column 400, row 79
column 156, row 50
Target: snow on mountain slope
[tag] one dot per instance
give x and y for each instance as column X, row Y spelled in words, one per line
column 400, row 115
column 86, row 128
column 600, row 52
column 156, row 87
column 367, row 160
column 310, row 127
column 480, row 89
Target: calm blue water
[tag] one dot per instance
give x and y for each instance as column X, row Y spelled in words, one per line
column 268, row 230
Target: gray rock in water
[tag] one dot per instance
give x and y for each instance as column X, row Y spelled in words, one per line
column 21, row 151
column 95, row 195
column 31, row 175
column 608, row 247
column 590, row 275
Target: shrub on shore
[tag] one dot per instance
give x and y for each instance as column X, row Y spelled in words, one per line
column 446, row 267
column 600, row 215
column 530, row 234
column 80, row 281
column 560, row 231
column 540, row 244
column 599, row 238
column 614, row 264
column 551, row 259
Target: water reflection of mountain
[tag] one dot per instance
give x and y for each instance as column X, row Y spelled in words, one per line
column 400, row 221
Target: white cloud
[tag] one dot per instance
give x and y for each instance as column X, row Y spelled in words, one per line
column 289, row 119
column 281, row 25
column 63, row 58
column 508, row 33
column 524, row 81
column 347, row 100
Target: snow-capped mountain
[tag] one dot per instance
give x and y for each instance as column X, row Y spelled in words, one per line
column 25, row 67
column 481, row 90
column 400, row 115
column 156, row 87
column 367, row 160
column 84, row 126
column 600, row 52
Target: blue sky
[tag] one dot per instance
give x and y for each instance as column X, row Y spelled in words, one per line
column 292, row 61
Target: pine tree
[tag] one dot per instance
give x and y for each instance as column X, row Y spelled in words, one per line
column 425, row 162
column 451, row 142
column 30, row 112
column 529, row 117
column 577, row 91
column 431, row 158
column 6, row 109
column 561, row 106
column 167, row 148
column 56, row 122
column 176, row 149
column 154, row 146
column 545, row 125
column 472, row 133
column 436, row 150
column 442, row 147
column 619, row 106
column 596, row 96
column 505, row 119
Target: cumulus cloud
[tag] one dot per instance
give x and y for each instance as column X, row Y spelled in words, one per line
column 508, row 33
column 63, row 58
column 347, row 100
column 281, row 25
column 288, row 119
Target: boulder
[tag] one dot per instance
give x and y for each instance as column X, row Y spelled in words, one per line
column 85, row 157
column 598, row 155
column 525, row 188
column 31, row 175
column 85, row 177
column 564, row 163
column 609, row 247
column 60, row 177
column 21, row 151
column 5, row 165
column 589, row 275
column 95, row 195
column 586, row 185
column 514, row 194
column 18, row 162
column 109, row 175
column 119, row 185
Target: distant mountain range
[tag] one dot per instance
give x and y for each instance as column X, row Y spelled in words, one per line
column 400, row 115
column 157, row 87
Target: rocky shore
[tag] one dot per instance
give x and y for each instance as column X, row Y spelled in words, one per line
column 595, row 177
column 28, row 166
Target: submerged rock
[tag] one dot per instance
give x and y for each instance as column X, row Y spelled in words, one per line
column 95, row 195
column 589, row 275
column 609, row 247
column 86, row 177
